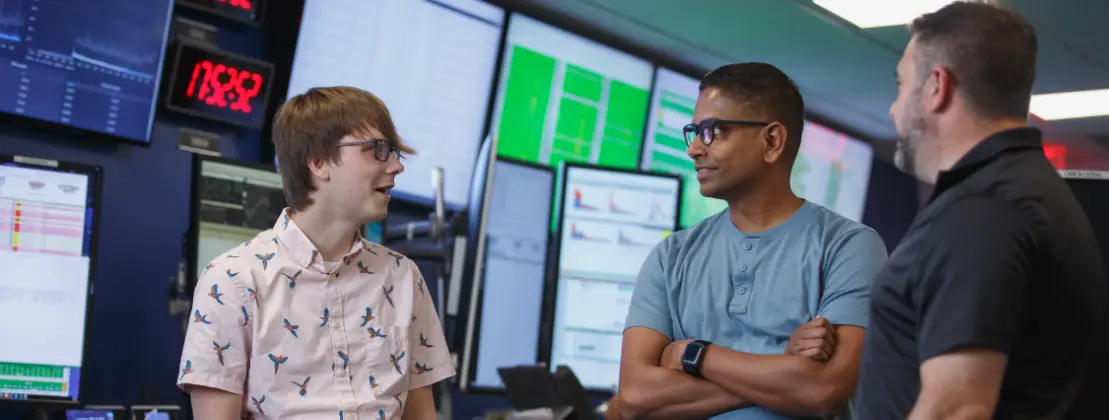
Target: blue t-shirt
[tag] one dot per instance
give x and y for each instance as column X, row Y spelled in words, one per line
column 749, row 292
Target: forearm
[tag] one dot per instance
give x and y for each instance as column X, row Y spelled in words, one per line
column 659, row 393
column 787, row 384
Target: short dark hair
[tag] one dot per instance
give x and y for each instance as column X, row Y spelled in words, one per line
column 990, row 50
column 310, row 125
column 766, row 88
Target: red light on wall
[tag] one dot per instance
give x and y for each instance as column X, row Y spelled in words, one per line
column 242, row 4
column 1056, row 154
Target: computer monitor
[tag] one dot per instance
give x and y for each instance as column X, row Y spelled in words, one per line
column 374, row 232
column 431, row 61
column 49, row 213
column 833, row 170
column 91, row 65
column 232, row 201
column 610, row 221
column 506, row 321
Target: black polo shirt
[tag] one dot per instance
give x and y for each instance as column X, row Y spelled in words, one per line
column 1003, row 258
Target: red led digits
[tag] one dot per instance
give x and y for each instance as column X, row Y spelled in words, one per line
column 223, row 86
column 242, row 4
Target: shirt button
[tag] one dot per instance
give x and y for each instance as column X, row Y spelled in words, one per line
column 743, row 267
column 747, row 246
column 743, row 290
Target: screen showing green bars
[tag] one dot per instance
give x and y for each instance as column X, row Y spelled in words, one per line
column 26, row 378
column 671, row 109
column 563, row 98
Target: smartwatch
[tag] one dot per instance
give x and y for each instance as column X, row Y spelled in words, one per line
column 693, row 356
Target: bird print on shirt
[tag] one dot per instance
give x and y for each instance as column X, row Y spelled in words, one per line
column 369, row 247
column 368, row 317
column 325, row 317
column 201, row 318
column 278, row 361
column 380, row 414
column 285, row 221
column 246, row 316
column 313, row 257
column 421, row 368
column 345, row 358
column 400, row 403
column 420, row 285
column 291, row 327
column 362, row 268
column 258, row 404
column 219, row 350
column 423, row 341
column 303, row 386
column 293, row 278
column 352, row 257
column 378, row 333
column 373, row 383
column 209, row 266
column 215, row 294
column 388, row 297
column 189, row 369
column 396, row 361
column 253, row 294
column 230, row 274
column 397, row 256
column 265, row 258
column 274, row 239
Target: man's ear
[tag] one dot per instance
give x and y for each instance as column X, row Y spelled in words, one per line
column 940, row 89
column 774, row 141
column 320, row 168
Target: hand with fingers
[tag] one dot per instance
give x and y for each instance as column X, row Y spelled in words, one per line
column 815, row 339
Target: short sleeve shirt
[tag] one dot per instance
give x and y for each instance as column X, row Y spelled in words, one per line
column 273, row 323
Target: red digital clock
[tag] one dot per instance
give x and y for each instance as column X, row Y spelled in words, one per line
column 218, row 85
column 242, row 10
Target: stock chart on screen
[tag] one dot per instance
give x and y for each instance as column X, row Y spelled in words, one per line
column 94, row 65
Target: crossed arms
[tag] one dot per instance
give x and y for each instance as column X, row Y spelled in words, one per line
column 816, row 377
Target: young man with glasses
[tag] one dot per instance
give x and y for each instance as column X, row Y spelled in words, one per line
column 759, row 311
column 308, row 320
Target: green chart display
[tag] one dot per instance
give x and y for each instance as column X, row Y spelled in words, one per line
column 555, row 111
column 567, row 99
column 672, row 108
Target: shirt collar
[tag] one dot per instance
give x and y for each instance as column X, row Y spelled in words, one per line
column 299, row 249
column 989, row 149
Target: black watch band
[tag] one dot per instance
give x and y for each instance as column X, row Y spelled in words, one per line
column 693, row 357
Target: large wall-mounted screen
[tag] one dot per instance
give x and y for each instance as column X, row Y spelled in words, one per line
column 833, row 170
column 48, row 212
column 664, row 148
column 93, row 65
column 431, row 62
column 610, row 222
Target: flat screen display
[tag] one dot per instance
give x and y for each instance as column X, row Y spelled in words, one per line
column 431, row 62
column 47, row 231
column 564, row 98
column 833, row 170
column 220, row 86
column 514, row 271
column 671, row 109
column 236, row 201
column 610, row 222
column 93, row 65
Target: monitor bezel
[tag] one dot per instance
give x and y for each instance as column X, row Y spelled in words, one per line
column 258, row 21
column 192, row 246
column 550, row 300
column 95, row 173
column 470, row 358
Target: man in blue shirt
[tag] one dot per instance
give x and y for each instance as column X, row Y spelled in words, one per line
column 715, row 305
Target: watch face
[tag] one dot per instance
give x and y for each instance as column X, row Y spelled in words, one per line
column 692, row 353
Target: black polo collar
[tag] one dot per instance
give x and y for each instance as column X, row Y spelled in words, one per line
column 991, row 148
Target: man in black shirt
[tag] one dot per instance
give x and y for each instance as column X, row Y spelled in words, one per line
column 989, row 306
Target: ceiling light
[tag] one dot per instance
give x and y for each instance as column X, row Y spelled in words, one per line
column 878, row 13
column 1067, row 105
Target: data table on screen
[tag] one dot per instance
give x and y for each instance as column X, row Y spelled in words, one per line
column 430, row 62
